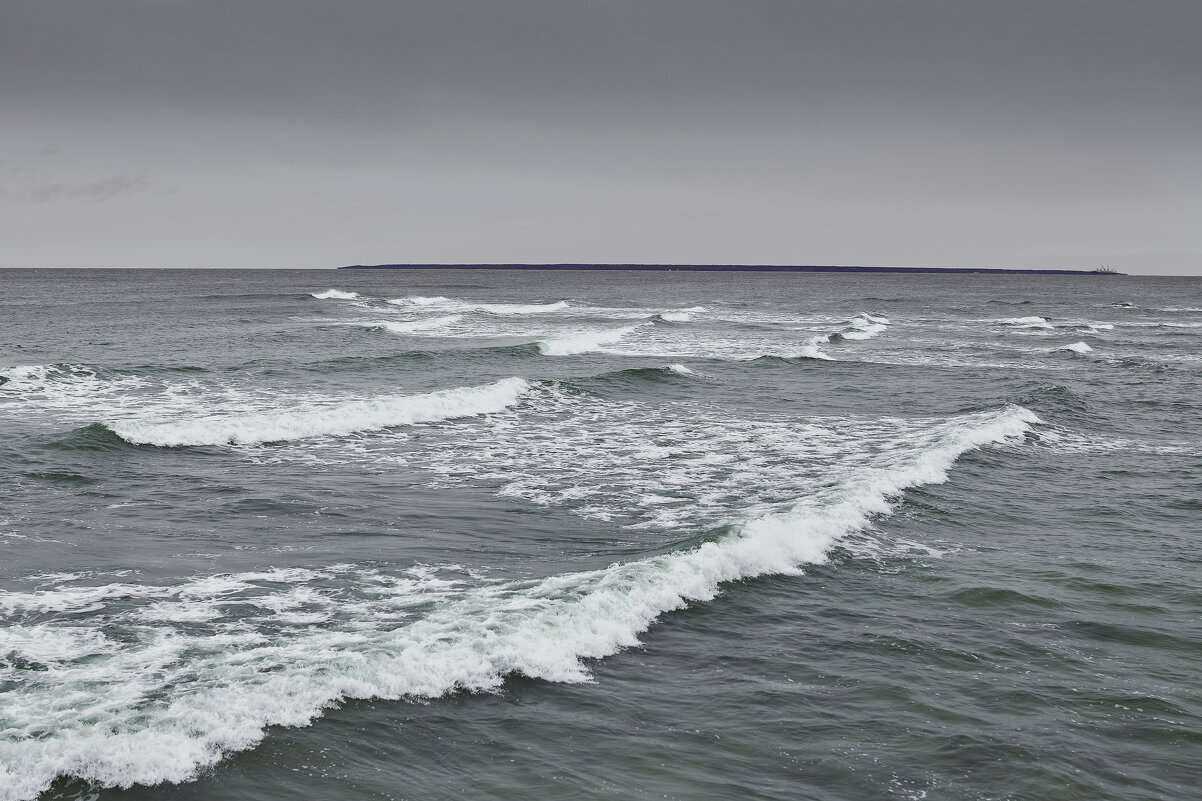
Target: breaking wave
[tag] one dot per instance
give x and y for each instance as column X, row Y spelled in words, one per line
column 409, row 326
column 182, row 675
column 1026, row 322
column 810, row 351
column 680, row 315
column 1044, row 325
column 583, row 341
column 314, row 420
column 455, row 304
column 73, row 388
column 1077, row 347
column 335, row 294
column 864, row 326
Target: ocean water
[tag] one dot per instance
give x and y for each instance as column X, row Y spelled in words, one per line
column 495, row 535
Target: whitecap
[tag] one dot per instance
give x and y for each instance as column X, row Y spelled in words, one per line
column 455, row 304
column 335, row 294
column 1077, row 347
column 312, row 420
column 583, row 341
column 811, row 351
column 410, row 326
column 864, row 326
column 1026, row 322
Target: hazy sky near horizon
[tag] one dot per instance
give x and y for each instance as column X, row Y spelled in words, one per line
column 306, row 133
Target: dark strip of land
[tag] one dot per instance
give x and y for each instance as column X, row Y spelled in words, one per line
column 730, row 268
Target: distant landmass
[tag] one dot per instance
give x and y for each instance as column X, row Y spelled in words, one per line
column 734, row 268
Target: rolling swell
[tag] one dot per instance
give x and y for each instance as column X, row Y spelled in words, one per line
column 201, row 678
column 669, row 372
column 1054, row 398
column 94, row 437
column 636, row 377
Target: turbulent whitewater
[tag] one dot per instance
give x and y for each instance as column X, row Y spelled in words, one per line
column 302, row 649
column 331, row 420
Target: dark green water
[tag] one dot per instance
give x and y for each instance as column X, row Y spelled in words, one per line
column 563, row 536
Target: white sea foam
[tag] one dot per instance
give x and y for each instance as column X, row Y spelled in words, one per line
column 811, row 351
column 63, row 381
column 575, row 330
column 455, row 304
column 680, row 368
column 600, row 459
column 522, row 308
column 77, row 390
column 676, row 342
column 583, row 341
column 419, row 300
column 1026, row 322
column 1077, row 347
column 335, row 294
column 24, row 378
column 864, row 326
column 174, row 698
column 323, row 420
column 411, row 326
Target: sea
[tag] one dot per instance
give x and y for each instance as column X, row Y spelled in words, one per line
column 483, row 534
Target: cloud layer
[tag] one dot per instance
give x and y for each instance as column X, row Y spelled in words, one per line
column 313, row 134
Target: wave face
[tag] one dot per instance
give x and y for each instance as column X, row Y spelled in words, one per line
column 314, row 421
column 208, row 663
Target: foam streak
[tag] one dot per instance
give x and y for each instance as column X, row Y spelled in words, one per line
column 334, row 420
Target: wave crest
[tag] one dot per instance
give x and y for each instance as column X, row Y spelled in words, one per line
column 583, row 341
column 455, row 304
column 329, row 420
column 409, row 326
column 1077, row 347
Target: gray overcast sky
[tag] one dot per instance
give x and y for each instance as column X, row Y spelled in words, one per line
column 229, row 133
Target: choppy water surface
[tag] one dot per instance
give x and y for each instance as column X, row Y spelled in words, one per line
column 425, row 535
